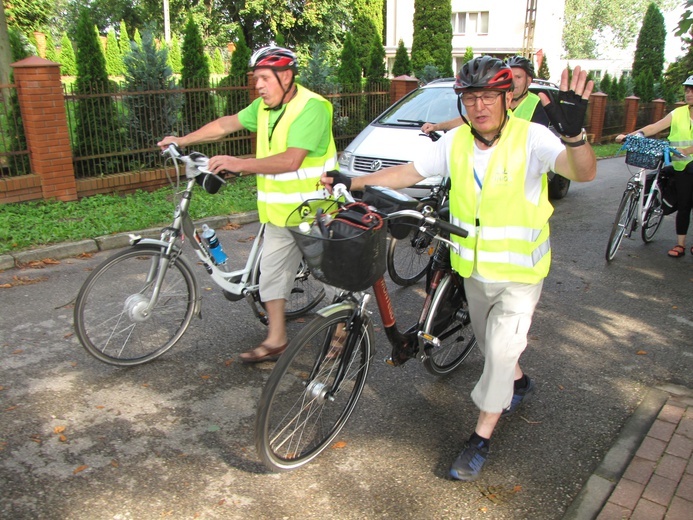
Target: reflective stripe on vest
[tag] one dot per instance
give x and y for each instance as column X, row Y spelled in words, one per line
column 680, row 134
column 511, row 239
column 525, row 110
column 279, row 194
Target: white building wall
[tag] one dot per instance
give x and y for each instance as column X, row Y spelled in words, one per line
column 506, row 21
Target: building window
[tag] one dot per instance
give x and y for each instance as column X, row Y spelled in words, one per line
column 470, row 23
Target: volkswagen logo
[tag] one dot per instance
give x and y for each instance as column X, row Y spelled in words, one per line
column 376, row 165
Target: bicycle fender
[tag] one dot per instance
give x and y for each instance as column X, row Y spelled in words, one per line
column 336, row 307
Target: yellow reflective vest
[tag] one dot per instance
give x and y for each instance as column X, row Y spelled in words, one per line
column 279, row 194
column 508, row 235
column 525, row 110
column 680, row 134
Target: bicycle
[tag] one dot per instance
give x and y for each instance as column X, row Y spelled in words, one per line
column 650, row 156
column 316, row 384
column 155, row 295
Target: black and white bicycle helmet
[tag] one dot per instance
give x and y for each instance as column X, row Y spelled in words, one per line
column 277, row 58
column 484, row 72
column 688, row 82
column 520, row 62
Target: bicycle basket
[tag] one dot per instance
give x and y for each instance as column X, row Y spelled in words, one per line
column 643, row 152
column 344, row 246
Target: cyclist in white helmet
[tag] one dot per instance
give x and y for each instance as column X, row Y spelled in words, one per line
column 680, row 123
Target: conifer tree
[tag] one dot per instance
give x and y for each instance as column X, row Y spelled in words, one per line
column 402, row 65
column 124, row 40
column 137, row 38
column 432, row 43
column 66, row 57
column 376, row 70
column 153, row 116
column 114, row 60
column 468, row 55
column 605, row 84
column 240, row 57
column 644, row 86
column 51, row 51
column 237, row 76
column 198, row 107
column 543, row 72
column 218, row 61
column 97, row 123
column 174, row 54
column 649, row 51
column 349, row 71
column 368, row 21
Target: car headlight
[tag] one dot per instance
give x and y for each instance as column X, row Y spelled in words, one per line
column 344, row 159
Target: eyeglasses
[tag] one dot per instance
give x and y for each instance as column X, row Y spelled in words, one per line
column 487, row 98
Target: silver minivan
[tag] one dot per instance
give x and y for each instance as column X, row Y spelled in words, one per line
column 395, row 136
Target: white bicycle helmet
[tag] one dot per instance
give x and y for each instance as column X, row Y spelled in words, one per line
column 688, row 82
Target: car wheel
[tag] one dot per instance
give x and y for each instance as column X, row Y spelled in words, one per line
column 558, row 187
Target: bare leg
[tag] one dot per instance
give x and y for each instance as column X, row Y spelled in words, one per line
column 276, row 330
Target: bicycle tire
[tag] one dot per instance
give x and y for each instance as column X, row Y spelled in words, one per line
column 448, row 320
column 653, row 218
column 107, row 317
column 295, row 419
column 623, row 222
column 306, row 293
column 409, row 258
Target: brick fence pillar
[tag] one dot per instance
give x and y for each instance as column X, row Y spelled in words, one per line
column 42, row 104
column 631, row 114
column 597, row 108
column 401, row 86
column 659, row 107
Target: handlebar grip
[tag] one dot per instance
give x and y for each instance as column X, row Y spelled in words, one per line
column 451, row 228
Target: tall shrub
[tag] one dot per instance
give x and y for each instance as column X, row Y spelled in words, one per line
column 432, row 43
column 402, row 65
column 66, row 57
column 51, row 51
column 114, row 60
column 237, row 76
column 97, row 124
column 649, row 51
column 349, row 71
column 175, row 60
column 123, row 40
column 543, row 72
column 152, row 116
column 198, row 107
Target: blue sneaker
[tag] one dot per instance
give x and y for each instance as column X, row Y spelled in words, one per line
column 468, row 464
column 518, row 397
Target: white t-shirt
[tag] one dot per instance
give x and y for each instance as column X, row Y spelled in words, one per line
column 543, row 148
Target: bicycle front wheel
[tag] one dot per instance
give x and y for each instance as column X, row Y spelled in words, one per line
column 304, row 406
column 448, row 321
column 111, row 319
column 623, row 222
column 653, row 218
column 408, row 259
column 306, row 293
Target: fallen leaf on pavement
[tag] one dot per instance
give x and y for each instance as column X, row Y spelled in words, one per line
column 80, row 469
column 59, row 429
column 339, row 445
column 641, row 353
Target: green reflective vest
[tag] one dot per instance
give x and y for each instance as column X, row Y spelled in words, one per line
column 508, row 235
column 680, row 134
column 525, row 110
column 279, row 194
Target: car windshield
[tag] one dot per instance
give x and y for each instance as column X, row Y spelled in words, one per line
column 424, row 105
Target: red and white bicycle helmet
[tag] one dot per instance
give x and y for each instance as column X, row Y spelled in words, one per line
column 277, row 58
column 484, row 72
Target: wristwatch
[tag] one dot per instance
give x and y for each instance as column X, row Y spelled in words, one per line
column 576, row 143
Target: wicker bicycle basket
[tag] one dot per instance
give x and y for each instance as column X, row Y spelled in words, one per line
column 344, row 245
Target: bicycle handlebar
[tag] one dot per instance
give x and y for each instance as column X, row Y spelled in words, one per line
column 196, row 163
column 430, row 220
column 652, row 147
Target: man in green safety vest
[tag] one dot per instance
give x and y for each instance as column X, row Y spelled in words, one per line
column 295, row 146
column 497, row 165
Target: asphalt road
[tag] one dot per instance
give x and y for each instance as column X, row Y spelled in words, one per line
column 174, row 439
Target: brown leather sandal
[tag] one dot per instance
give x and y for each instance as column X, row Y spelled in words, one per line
column 263, row 353
column 677, row 251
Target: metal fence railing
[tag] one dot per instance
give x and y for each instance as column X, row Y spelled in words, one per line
column 14, row 156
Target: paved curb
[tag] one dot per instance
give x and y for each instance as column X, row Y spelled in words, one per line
column 596, row 492
column 107, row 242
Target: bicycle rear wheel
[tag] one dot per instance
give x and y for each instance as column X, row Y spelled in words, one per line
column 300, row 411
column 653, row 218
column 306, row 293
column 408, row 259
column 448, row 321
column 110, row 314
column 623, row 222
